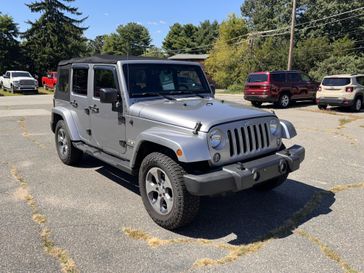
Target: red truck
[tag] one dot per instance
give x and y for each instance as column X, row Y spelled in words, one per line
column 49, row 81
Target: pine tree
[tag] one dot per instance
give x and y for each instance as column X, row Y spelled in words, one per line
column 54, row 36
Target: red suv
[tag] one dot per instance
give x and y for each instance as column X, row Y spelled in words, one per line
column 279, row 87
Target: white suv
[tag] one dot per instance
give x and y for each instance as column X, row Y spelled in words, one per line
column 341, row 90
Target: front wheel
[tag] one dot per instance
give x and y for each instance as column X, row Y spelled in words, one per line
column 256, row 103
column 272, row 183
column 358, row 103
column 68, row 154
column 322, row 107
column 164, row 193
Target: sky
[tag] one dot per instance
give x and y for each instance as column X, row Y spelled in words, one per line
column 157, row 15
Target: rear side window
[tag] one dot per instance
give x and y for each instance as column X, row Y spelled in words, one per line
column 279, row 77
column 103, row 78
column 336, row 81
column 257, row 78
column 360, row 80
column 294, row 77
column 79, row 83
column 64, row 80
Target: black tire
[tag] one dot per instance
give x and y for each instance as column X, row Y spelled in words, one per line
column 358, row 104
column 184, row 207
column 1, row 85
column 256, row 103
column 322, row 107
column 73, row 155
column 271, row 184
column 284, row 100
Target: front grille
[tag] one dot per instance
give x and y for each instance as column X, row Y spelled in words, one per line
column 27, row 82
column 249, row 139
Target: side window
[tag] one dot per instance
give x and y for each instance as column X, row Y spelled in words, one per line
column 103, row 78
column 360, row 80
column 278, row 77
column 305, row 78
column 7, row 74
column 79, row 83
column 64, row 80
column 294, row 77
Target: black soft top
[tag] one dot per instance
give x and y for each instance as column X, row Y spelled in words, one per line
column 107, row 59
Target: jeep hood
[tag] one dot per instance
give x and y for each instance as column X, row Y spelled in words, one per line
column 187, row 112
column 23, row 78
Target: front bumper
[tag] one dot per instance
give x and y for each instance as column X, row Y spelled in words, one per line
column 334, row 101
column 242, row 176
column 260, row 98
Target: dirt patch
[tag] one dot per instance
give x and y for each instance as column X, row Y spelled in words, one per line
column 25, row 133
column 22, row 193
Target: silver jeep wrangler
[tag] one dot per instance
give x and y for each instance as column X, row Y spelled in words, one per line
column 159, row 120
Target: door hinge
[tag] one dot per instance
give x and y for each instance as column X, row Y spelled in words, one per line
column 88, row 131
column 122, row 143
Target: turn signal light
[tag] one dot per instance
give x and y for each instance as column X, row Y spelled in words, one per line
column 179, row 152
column 320, row 89
column 349, row 89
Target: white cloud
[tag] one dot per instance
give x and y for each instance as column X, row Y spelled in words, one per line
column 152, row 23
column 162, row 22
column 159, row 31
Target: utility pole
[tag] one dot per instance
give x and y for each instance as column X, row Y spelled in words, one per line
column 291, row 45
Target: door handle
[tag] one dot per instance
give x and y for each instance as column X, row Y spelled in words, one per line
column 94, row 109
column 74, row 103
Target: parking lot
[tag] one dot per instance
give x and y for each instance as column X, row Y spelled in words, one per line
column 91, row 218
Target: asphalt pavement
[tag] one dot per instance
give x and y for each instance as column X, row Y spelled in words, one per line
column 90, row 218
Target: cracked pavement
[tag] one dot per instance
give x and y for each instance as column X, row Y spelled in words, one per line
column 312, row 223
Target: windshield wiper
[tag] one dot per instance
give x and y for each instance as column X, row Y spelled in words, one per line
column 191, row 93
column 157, row 94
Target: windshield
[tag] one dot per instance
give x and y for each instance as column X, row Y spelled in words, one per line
column 164, row 79
column 258, row 78
column 21, row 74
column 336, row 81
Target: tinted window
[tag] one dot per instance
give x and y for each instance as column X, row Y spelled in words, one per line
column 360, row 80
column 294, row 77
column 336, row 81
column 278, row 77
column 64, row 80
column 305, row 78
column 20, row 74
column 258, row 78
column 79, row 83
column 103, row 78
column 151, row 79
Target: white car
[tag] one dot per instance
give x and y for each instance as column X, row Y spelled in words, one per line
column 18, row 81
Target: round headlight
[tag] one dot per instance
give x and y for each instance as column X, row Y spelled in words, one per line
column 274, row 126
column 216, row 139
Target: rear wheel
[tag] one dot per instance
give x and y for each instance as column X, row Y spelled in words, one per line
column 284, row 100
column 164, row 193
column 69, row 154
column 358, row 103
column 322, row 107
column 256, row 103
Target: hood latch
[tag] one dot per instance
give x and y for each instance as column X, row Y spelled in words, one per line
column 197, row 128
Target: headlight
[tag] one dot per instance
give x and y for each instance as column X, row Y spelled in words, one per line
column 15, row 82
column 274, row 126
column 216, row 139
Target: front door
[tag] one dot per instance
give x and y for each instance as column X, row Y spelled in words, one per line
column 79, row 101
column 107, row 122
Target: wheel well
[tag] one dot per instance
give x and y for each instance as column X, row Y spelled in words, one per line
column 56, row 118
column 359, row 96
column 147, row 148
column 285, row 92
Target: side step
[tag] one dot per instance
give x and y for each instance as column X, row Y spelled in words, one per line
column 107, row 158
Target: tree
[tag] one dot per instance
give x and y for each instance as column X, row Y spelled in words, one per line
column 180, row 38
column 206, row 36
column 9, row 45
column 54, row 36
column 94, row 47
column 229, row 60
column 131, row 39
column 154, row 52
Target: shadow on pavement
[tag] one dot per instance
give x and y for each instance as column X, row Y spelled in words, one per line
column 249, row 215
column 295, row 104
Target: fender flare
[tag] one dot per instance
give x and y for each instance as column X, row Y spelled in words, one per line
column 194, row 147
column 288, row 130
column 67, row 117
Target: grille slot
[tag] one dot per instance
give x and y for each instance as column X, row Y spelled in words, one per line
column 249, row 139
column 27, row 82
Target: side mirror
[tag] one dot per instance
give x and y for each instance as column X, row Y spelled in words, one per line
column 213, row 88
column 108, row 95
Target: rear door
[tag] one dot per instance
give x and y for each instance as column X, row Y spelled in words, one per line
column 297, row 86
column 107, row 122
column 79, row 100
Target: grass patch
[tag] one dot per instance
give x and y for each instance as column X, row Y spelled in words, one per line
column 4, row 93
column 343, row 122
column 42, row 91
